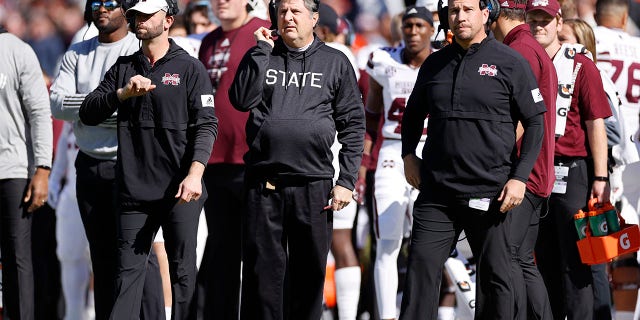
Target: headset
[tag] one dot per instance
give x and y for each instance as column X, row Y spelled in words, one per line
column 443, row 12
column 88, row 13
column 273, row 12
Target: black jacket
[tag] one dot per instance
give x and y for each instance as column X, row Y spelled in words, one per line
column 298, row 100
column 161, row 133
column 474, row 99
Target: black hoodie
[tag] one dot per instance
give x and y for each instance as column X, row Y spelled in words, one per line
column 161, row 133
column 298, row 101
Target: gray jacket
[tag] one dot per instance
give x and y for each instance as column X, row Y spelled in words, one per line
column 26, row 134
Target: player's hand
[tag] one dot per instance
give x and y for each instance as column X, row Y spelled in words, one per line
column 190, row 189
column 412, row 170
column 340, row 197
column 266, row 35
column 137, row 86
column 601, row 191
column 38, row 190
column 512, row 194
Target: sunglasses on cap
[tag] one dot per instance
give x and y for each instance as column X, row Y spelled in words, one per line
column 109, row 5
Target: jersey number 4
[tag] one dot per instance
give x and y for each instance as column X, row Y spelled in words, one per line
column 395, row 114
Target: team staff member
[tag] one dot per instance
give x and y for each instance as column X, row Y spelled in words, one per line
column 580, row 160
column 221, row 52
column 26, row 144
column 386, row 98
column 82, row 68
column 166, row 129
column 299, row 92
column 511, row 29
column 475, row 90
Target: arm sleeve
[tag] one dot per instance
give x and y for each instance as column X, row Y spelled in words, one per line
column 65, row 102
column 246, row 90
column 531, row 144
column 102, row 102
column 349, row 119
column 35, row 99
column 531, row 107
column 413, row 118
column 202, row 118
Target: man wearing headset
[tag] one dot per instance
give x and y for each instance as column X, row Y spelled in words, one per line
column 299, row 93
column 166, row 129
column 531, row 294
column 475, row 91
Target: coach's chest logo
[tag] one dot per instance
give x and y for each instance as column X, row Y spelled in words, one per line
column 488, row 70
column 171, row 79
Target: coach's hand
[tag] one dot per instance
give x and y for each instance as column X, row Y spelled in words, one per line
column 190, row 189
column 266, row 35
column 412, row 170
column 512, row 194
column 137, row 86
column 340, row 197
column 38, row 189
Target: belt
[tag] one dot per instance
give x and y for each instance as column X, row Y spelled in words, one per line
column 565, row 159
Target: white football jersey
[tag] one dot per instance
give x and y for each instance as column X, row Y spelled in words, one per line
column 618, row 55
column 397, row 80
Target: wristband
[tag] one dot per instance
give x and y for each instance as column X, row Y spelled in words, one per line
column 600, row 178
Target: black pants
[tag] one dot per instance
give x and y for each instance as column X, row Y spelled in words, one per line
column 286, row 239
column 95, row 189
column 15, row 245
column 137, row 228
column 530, row 290
column 219, row 274
column 568, row 280
column 436, row 227
column 47, row 284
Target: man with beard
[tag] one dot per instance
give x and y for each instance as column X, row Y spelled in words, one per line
column 475, row 92
column 82, row 68
column 166, row 127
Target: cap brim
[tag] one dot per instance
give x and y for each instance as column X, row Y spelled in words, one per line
column 143, row 7
column 549, row 11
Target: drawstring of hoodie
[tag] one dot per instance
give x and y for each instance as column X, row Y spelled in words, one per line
column 304, row 69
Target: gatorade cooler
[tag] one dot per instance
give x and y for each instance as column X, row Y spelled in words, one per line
column 596, row 250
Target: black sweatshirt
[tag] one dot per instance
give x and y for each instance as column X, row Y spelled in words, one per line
column 161, row 133
column 474, row 99
column 298, row 100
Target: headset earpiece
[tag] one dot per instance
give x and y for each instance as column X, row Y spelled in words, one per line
column 494, row 10
column 172, row 8
column 443, row 15
column 88, row 13
column 273, row 14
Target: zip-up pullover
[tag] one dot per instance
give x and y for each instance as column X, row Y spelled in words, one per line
column 298, row 100
column 161, row 133
column 474, row 99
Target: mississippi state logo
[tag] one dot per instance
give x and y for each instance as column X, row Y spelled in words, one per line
column 540, row 3
column 488, row 70
column 171, row 79
column 390, row 71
